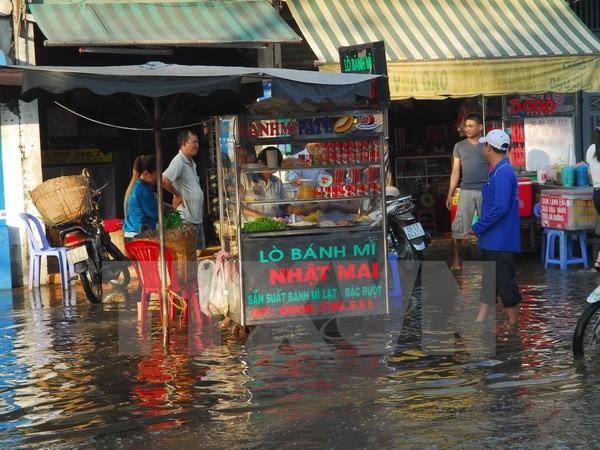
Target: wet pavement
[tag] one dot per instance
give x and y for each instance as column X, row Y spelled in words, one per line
column 66, row 381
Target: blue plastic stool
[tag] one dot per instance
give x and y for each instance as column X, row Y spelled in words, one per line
column 395, row 292
column 565, row 247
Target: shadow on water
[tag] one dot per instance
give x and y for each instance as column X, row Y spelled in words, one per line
column 346, row 384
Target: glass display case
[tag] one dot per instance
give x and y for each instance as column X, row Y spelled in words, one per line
column 298, row 226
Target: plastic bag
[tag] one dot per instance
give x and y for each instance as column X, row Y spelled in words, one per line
column 216, row 301
column 206, row 273
column 172, row 220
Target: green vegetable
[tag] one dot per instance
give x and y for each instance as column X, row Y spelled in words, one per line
column 262, row 224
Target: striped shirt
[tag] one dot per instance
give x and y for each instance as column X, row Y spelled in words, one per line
column 182, row 174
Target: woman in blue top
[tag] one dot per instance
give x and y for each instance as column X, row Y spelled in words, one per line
column 142, row 206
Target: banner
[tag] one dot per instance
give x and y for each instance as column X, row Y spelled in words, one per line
column 467, row 78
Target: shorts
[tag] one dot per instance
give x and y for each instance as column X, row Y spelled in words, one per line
column 469, row 202
column 498, row 280
column 200, row 242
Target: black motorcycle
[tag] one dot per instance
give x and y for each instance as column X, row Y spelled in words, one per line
column 95, row 257
column 405, row 234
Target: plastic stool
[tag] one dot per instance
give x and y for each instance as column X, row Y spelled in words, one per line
column 395, row 292
column 565, row 247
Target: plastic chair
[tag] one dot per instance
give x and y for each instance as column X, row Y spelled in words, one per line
column 537, row 213
column 565, row 257
column 565, row 248
column 39, row 247
column 145, row 256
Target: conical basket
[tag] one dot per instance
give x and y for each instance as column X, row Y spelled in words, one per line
column 62, row 199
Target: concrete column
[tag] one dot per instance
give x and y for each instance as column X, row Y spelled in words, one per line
column 21, row 154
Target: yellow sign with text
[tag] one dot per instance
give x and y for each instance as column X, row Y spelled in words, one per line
column 467, row 78
column 76, row 156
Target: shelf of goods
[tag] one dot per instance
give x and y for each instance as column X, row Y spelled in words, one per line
column 414, row 174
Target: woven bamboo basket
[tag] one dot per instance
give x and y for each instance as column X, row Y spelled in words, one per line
column 62, row 199
column 181, row 241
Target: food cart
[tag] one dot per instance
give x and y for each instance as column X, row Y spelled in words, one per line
column 302, row 269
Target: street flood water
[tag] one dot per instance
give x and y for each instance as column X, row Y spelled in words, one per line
column 65, row 383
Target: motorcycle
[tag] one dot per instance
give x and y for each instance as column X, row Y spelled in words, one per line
column 586, row 338
column 90, row 248
column 405, row 234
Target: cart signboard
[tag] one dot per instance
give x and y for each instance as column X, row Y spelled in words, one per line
column 314, row 276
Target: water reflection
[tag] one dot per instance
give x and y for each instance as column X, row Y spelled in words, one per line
column 368, row 383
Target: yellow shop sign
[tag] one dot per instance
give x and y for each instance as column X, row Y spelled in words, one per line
column 76, row 156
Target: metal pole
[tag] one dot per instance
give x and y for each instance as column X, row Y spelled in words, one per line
column 161, row 231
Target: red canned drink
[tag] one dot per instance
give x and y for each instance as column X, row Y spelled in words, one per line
column 344, row 156
column 374, row 152
column 351, row 190
column 358, row 152
column 338, row 156
column 376, row 188
column 360, row 189
column 319, row 192
column 351, row 153
column 328, row 192
column 373, row 155
column 330, row 154
column 365, row 151
column 338, row 191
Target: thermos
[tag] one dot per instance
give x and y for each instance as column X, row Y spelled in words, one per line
column 581, row 175
column 568, row 175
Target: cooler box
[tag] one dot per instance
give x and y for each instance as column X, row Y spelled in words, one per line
column 568, row 209
column 525, row 196
column 454, row 205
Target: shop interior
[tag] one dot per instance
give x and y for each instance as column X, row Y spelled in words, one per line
column 422, row 135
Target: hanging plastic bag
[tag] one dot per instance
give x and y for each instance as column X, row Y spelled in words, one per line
column 172, row 220
column 206, row 273
column 216, row 302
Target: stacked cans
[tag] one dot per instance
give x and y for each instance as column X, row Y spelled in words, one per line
column 347, row 152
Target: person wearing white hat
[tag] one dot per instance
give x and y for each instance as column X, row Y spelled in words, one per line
column 499, row 229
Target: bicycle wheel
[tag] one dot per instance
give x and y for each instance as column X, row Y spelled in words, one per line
column 586, row 338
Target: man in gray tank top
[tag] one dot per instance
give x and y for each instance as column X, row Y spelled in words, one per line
column 470, row 169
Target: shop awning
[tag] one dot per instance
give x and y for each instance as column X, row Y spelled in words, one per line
column 167, row 23
column 440, row 48
column 158, row 79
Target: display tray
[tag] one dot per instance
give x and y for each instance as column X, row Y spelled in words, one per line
column 311, row 230
column 301, row 225
column 337, row 226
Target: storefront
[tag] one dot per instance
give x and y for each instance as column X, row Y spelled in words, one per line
column 110, row 132
column 522, row 65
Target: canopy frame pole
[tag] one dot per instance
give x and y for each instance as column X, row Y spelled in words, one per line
column 161, row 230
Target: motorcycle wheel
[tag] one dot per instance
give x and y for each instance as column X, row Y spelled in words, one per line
column 586, row 338
column 91, row 281
column 122, row 277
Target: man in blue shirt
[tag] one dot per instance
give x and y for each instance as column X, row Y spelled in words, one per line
column 498, row 228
